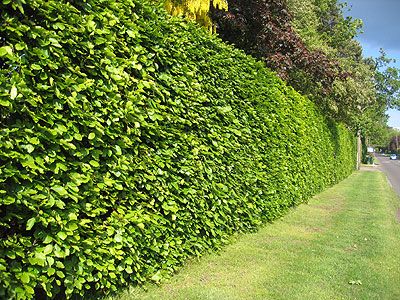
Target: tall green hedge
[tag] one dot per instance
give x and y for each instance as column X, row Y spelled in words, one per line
column 130, row 141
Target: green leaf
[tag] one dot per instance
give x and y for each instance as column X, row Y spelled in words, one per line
column 72, row 226
column 10, row 254
column 13, row 92
column 118, row 238
column 94, row 163
column 8, row 200
column 129, row 261
column 60, row 274
column 33, row 140
column 25, row 278
column 60, row 204
column 19, row 46
column 91, row 136
column 37, row 260
column 30, row 148
column 224, row 110
column 50, row 261
column 48, row 249
column 60, row 166
column 5, row 50
column 55, row 42
column 62, row 235
column 30, row 162
column 4, row 102
column 108, row 181
column 78, row 136
column 30, row 223
column 59, row 190
column 118, row 150
column 156, row 277
column 48, row 239
column 36, row 67
column 28, row 288
column 72, row 216
column 51, row 271
column 20, row 292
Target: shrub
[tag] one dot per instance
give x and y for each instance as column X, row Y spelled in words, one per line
column 130, row 141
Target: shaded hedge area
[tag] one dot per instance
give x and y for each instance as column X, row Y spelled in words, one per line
column 130, row 141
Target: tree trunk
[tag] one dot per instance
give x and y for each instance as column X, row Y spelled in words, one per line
column 358, row 150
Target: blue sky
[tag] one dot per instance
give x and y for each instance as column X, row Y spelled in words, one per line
column 381, row 19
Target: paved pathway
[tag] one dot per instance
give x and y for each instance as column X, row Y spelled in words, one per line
column 392, row 170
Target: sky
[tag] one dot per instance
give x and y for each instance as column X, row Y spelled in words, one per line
column 381, row 19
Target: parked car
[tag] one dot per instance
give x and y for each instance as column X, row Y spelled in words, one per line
column 393, row 156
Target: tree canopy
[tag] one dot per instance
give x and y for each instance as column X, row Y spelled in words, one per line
column 312, row 45
column 264, row 29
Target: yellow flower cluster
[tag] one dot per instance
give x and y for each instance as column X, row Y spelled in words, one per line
column 195, row 9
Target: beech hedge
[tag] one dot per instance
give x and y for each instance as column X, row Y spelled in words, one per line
column 130, row 140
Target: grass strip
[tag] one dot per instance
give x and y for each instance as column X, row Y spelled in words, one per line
column 343, row 244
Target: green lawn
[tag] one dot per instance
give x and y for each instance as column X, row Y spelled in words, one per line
column 344, row 244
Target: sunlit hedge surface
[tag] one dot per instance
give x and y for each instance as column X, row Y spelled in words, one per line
column 130, row 141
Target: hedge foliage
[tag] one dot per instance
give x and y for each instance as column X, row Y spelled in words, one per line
column 130, row 141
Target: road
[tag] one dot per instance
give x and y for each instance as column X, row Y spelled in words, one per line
column 392, row 170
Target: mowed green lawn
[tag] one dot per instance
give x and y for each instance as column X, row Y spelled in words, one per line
column 344, row 244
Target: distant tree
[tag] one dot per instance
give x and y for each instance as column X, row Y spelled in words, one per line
column 263, row 29
column 387, row 80
column 394, row 143
column 363, row 97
